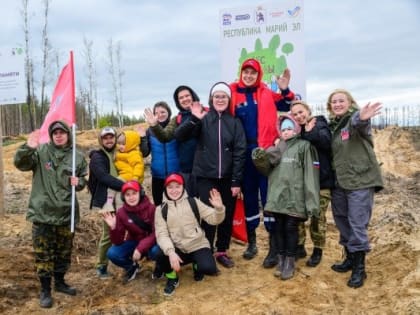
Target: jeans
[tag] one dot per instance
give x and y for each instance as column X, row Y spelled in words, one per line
column 121, row 255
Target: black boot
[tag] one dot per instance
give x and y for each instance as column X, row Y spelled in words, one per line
column 272, row 257
column 300, row 251
column 315, row 258
column 358, row 274
column 45, row 299
column 61, row 286
column 346, row 265
column 251, row 250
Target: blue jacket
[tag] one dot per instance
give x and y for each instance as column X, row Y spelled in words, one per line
column 164, row 156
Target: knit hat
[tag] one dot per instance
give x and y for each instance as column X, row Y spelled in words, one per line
column 132, row 184
column 221, row 87
column 287, row 124
column 174, row 177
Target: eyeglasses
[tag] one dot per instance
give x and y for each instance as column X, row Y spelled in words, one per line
column 220, row 97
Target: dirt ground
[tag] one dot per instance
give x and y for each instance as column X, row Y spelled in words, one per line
column 392, row 286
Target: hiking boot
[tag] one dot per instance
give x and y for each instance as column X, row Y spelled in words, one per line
column 45, row 299
column 252, row 250
column 61, row 285
column 300, row 252
column 103, row 273
column 315, row 258
column 223, row 259
column 358, row 273
column 170, row 287
column 346, row 265
column 131, row 273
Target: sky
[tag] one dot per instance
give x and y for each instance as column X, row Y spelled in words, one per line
column 371, row 48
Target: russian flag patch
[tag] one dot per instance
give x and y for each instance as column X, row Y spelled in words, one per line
column 316, row 164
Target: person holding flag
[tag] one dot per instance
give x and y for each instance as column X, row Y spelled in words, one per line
column 50, row 203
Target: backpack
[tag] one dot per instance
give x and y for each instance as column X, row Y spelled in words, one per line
column 193, row 205
column 92, row 183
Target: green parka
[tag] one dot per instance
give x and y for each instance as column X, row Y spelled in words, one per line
column 51, row 166
column 293, row 180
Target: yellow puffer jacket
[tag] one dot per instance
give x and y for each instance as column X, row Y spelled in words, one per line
column 129, row 164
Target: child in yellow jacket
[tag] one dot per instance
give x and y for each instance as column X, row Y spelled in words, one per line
column 128, row 162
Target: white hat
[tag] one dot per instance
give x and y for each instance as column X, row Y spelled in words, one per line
column 221, row 87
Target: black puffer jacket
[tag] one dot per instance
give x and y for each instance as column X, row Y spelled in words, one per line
column 320, row 138
column 221, row 145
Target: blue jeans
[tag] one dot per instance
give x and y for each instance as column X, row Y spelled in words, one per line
column 121, row 255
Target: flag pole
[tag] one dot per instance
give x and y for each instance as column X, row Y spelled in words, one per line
column 73, row 131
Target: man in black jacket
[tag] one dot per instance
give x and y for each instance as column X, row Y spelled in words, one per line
column 103, row 175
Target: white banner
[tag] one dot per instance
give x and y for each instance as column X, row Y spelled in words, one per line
column 273, row 34
column 12, row 76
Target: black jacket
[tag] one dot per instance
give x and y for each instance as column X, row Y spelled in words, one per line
column 99, row 168
column 320, row 138
column 221, row 145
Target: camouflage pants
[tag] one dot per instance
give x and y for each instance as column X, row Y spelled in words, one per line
column 52, row 246
column 317, row 227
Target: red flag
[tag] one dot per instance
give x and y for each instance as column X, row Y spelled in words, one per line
column 63, row 106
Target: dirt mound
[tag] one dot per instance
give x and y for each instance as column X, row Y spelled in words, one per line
column 392, row 286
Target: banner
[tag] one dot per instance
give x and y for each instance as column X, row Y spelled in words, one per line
column 63, row 106
column 271, row 33
column 12, row 76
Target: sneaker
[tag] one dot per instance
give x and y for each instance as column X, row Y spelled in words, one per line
column 131, row 273
column 224, row 260
column 170, row 287
column 103, row 273
column 157, row 273
column 198, row 276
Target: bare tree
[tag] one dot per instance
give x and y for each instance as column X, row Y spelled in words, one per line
column 113, row 72
column 28, row 62
column 119, row 78
column 92, row 105
column 46, row 48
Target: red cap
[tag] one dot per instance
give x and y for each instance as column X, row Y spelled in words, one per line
column 174, row 178
column 132, row 184
column 253, row 63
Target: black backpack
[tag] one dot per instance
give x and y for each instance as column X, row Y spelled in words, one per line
column 193, row 205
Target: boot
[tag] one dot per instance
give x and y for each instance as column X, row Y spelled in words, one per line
column 252, row 249
column 300, row 252
column 358, row 274
column 346, row 265
column 61, row 286
column 315, row 258
column 279, row 268
column 288, row 268
column 272, row 257
column 45, row 299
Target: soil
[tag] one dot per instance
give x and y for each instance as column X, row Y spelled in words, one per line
column 392, row 285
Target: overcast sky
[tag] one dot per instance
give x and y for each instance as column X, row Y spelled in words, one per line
column 371, row 48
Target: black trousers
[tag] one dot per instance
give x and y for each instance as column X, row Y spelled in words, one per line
column 287, row 229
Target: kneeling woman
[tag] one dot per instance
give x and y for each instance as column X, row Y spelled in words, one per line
column 179, row 234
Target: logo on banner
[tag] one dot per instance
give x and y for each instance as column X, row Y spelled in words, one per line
column 294, row 12
column 260, row 16
column 227, row 19
column 242, row 17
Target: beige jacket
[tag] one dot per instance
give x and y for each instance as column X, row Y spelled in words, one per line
column 181, row 230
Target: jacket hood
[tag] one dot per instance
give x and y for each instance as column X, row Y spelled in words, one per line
column 254, row 64
column 297, row 127
column 132, row 140
column 181, row 88
column 62, row 125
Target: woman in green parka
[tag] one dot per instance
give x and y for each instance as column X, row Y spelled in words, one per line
column 292, row 167
column 358, row 178
column 50, row 203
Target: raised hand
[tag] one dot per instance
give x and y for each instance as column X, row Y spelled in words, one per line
column 110, row 219
column 370, row 110
column 33, row 139
column 215, row 198
column 284, row 79
column 150, row 118
column 141, row 131
column 197, row 110
column 310, row 124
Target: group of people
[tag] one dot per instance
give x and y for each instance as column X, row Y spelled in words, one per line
column 250, row 143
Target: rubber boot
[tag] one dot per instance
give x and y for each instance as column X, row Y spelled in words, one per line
column 358, row 274
column 45, row 299
column 315, row 258
column 252, row 249
column 61, row 286
column 279, row 268
column 288, row 268
column 346, row 265
column 272, row 257
column 300, row 251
